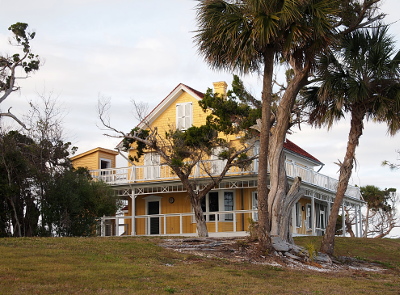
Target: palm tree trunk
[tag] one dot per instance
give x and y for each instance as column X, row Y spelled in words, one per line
column 356, row 129
column 262, row 193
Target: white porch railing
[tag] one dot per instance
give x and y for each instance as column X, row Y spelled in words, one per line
column 119, row 225
column 123, row 225
column 135, row 174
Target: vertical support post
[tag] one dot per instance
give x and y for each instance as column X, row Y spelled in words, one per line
column 216, row 222
column 343, row 222
column 133, row 215
column 328, row 209
column 116, row 226
column 165, row 224
column 313, row 215
column 361, row 221
column 180, row 224
column 102, row 227
column 234, row 221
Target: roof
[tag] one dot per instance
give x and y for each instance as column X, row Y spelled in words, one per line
column 168, row 100
column 98, row 149
column 290, row 146
column 165, row 103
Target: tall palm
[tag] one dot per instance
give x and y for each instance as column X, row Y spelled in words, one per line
column 249, row 35
column 360, row 78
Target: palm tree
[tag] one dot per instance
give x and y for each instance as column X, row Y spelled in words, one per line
column 249, row 36
column 360, row 78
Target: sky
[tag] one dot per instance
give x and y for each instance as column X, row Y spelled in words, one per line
column 140, row 50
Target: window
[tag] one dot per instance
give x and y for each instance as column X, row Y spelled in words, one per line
column 228, row 204
column 256, row 151
column 105, row 164
column 320, row 215
column 151, row 166
column 216, row 200
column 210, row 204
column 184, row 115
column 217, row 165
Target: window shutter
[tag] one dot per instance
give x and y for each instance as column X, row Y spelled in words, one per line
column 179, row 116
column 188, row 115
column 183, row 115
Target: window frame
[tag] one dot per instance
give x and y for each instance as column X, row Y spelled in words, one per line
column 205, row 204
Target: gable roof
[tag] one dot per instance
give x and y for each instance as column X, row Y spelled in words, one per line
column 168, row 100
column 98, row 149
column 291, row 147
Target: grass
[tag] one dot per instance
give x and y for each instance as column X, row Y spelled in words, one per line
column 138, row 266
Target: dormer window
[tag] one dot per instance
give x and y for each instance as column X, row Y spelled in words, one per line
column 184, row 115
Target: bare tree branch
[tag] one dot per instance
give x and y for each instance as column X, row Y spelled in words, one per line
column 9, row 114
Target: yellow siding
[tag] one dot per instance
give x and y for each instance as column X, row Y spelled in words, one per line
column 91, row 159
column 182, row 204
column 90, row 162
column 168, row 118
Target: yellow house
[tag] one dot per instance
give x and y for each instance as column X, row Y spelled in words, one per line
column 98, row 158
column 157, row 203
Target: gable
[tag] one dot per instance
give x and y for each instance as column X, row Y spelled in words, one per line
column 164, row 114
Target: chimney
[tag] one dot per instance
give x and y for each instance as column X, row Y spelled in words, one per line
column 220, row 88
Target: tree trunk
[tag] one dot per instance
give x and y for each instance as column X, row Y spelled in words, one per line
column 281, row 199
column 262, row 191
column 349, row 224
column 356, row 129
column 15, row 220
column 201, row 224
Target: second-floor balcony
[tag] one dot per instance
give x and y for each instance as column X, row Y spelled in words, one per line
column 154, row 173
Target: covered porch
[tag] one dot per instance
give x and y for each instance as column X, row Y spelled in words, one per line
column 146, row 212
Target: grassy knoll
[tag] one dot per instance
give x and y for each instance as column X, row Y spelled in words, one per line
column 138, row 266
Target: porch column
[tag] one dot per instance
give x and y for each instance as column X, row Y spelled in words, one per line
column 313, row 215
column 116, row 226
column 328, row 208
column 133, row 209
column 103, row 226
column 343, row 221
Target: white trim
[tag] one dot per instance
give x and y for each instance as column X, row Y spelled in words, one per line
column 148, row 199
column 152, row 198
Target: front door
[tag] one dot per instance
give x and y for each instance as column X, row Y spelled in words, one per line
column 153, row 207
